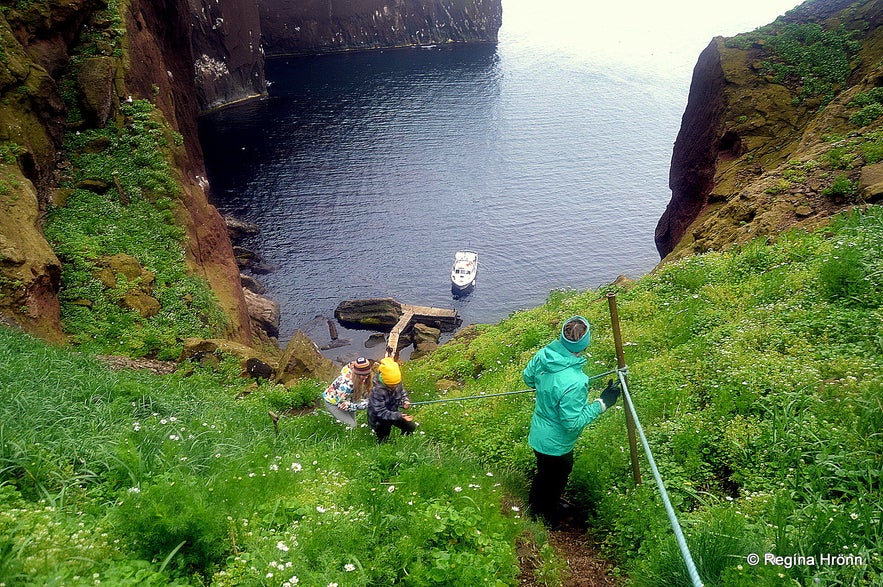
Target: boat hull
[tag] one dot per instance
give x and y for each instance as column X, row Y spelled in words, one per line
column 458, row 289
column 464, row 272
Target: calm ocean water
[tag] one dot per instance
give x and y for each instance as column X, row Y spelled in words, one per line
column 367, row 171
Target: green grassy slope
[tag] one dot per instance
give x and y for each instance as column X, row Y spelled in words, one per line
column 756, row 375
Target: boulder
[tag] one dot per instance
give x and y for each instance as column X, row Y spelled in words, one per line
column 95, row 80
column 423, row 334
column 255, row 367
column 264, row 313
column 146, row 305
column 423, row 349
column 239, row 229
column 109, row 268
column 252, row 284
column 247, row 259
column 369, row 314
column 302, row 359
column 870, row 187
column 425, row 340
column 208, row 351
column 139, row 282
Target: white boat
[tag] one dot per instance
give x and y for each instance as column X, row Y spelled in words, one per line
column 464, row 271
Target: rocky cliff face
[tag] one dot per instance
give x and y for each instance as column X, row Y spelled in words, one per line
column 316, row 26
column 162, row 41
column 771, row 137
column 34, row 48
column 186, row 57
column 226, row 43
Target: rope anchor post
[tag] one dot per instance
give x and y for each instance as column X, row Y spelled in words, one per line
column 620, row 364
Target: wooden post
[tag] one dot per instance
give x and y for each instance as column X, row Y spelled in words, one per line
column 620, row 363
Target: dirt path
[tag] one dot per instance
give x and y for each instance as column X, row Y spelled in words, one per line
column 585, row 567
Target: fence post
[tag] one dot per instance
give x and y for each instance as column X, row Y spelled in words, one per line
column 620, row 363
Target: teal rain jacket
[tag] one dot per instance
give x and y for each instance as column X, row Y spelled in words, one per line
column 562, row 406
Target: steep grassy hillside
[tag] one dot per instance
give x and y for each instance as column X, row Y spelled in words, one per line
column 757, row 375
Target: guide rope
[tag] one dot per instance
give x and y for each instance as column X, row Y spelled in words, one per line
column 669, row 509
column 672, row 518
column 459, row 399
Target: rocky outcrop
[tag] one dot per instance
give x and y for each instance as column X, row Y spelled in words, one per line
column 318, row 26
column 754, row 153
column 161, row 68
column 303, row 359
column 370, row 313
column 38, row 44
column 29, row 270
column 31, row 131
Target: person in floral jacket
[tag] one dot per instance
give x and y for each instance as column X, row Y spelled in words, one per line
column 349, row 391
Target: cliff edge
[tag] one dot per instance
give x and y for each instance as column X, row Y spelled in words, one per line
column 782, row 129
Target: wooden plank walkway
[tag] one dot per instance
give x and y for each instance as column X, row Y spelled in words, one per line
column 441, row 316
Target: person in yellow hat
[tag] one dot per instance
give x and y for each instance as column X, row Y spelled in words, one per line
column 388, row 397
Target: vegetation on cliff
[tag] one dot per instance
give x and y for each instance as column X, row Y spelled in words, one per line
column 120, row 199
column 757, row 375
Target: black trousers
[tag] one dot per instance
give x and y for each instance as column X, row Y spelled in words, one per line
column 548, row 485
column 382, row 429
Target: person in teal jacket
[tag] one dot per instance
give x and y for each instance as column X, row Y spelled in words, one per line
column 561, row 413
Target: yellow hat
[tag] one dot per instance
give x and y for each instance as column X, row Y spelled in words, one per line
column 390, row 372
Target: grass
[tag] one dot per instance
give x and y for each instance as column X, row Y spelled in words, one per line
column 108, row 475
column 757, row 375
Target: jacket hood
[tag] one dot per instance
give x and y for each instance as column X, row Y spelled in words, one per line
column 554, row 357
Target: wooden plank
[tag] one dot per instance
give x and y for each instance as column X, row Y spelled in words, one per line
column 392, row 346
column 429, row 311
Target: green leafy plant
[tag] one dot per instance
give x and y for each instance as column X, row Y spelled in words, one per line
column 136, row 217
column 872, row 150
column 867, row 114
column 812, row 61
column 841, row 187
column 839, row 157
column 173, row 519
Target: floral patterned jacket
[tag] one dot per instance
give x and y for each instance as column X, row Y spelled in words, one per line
column 340, row 392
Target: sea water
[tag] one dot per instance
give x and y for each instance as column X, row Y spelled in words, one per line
column 547, row 153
